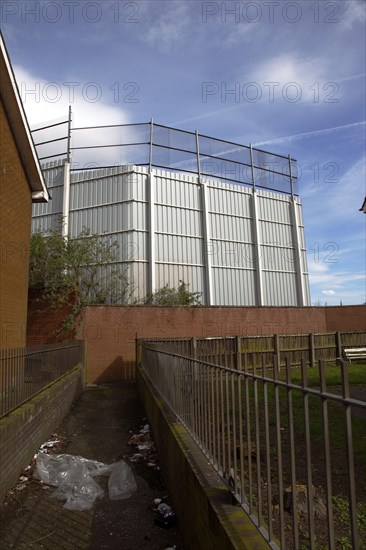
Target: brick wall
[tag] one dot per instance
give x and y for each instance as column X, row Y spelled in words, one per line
column 345, row 318
column 110, row 332
column 27, row 427
column 44, row 325
column 15, row 223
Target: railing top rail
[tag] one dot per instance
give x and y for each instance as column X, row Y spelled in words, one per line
column 256, row 375
column 44, row 348
column 25, row 372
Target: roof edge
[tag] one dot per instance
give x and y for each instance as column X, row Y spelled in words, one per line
column 19, row 125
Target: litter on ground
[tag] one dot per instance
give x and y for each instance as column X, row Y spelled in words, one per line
column 74, row 478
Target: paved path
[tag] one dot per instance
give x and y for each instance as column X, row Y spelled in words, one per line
column 99, row 428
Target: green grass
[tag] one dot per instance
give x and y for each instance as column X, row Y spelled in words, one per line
column 336, row 415
column 341, row 507
column 333, row 375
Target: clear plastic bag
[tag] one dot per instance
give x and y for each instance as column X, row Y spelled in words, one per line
column 121, row 483
column 74, row 478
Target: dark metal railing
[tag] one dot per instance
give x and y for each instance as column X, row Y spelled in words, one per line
column 290, row 450
column 26, row 371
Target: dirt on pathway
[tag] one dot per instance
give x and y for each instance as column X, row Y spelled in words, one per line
column 99, row 427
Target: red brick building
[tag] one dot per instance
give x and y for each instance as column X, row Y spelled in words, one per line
column 21, row 183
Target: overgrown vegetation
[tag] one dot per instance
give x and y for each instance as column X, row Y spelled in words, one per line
column 167, row 296
column 84, row 270
column 76, row 272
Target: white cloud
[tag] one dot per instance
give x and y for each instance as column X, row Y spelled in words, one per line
column 45, row 102
column 237, row 33
column 328, row 280
column 296, row 79
column 169, row 28
column 354, row 14
column 327, row 275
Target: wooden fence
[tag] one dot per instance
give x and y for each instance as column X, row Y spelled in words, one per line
column 240, row 352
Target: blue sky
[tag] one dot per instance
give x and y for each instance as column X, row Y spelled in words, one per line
column 286, row 76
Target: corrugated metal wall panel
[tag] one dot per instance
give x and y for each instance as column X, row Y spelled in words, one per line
column 177, row 220
column 172, row 274
column 174, row 248
column 132, row 245
column 138, row 273
column 47, row 215
column 276, row 208
column 51, row 169
column 114, row 202
column 225, row 200
column 46, row 222
column 231, row 254
column 173, row 190
column 280, row 289
column 278, row 258
column 234, row 287
column 232, row 228
column 273, row 233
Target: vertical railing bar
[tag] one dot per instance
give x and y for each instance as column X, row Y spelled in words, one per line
column 200, row 409
column 185, row 385
column 234, row 447
column 206, row 409
column 151, row 145
column 350, row 458
column 249, row 443
column 327, row 465
column 194, row 398
column 218, row 423
column 290, row 414
column 213, row 417
column 308, row 453
column 241, row 436
column 222, row 374
column 16, row 375
column 228, row 423
column 184, row 389
column 257, row 442
column 268, row 450
column 209, row 409
column 13, row 390
column 276, row 370
column 6, row 392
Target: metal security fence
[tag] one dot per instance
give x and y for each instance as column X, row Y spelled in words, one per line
column 26, row 371
column 155, row 145
column 291, row 450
